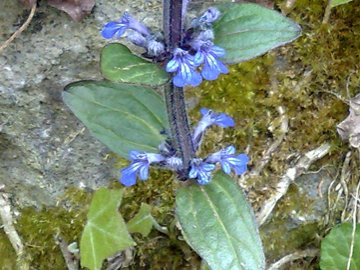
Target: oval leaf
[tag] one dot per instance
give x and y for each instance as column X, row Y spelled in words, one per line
column 219, row 224
column 124, row 117
column 335, row 248
column 248, row 30
column 335, row 3
column 118, row 64
column 105, row 232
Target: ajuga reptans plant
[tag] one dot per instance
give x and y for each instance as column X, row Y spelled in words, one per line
column 153, row 131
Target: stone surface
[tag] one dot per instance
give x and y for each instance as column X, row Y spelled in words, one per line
column 43, row 147
column 298, row 217
column 349, row 129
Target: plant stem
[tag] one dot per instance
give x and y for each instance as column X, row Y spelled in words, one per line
column 174, row 96
column 327, row 12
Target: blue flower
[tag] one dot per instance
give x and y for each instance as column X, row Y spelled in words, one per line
column 183, row 64
column 118, row 28
column 228, row 160
column 137, row 39
column 210, row 118
column 213, row 118
column 206, row 19
column 139, row 165
column 209, row 54
column 210, row 15
column 174, row 163
column 201, row 171
column 155, row 48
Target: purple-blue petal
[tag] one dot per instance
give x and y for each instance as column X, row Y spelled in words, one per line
column 239, row 170
column 198, row 58
column 226, row 167
column 196, row 79
column 204, row 111
column 207, row 167
column 218, row 51
column 113, row 29
column 204, row 179
column 172, row 65
column 223, row 120
column 187, row 76
column 243, row 158
column 178, row 80
column 209, row 73
column 134, row 154
column 212, row 67
column 222, row 68
column 128, row 176
column 193, row 172
column 185, row 72
column 241, row 167
column 230, row 150
column 144, row 172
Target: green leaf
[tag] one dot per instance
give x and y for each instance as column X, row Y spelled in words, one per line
column 124, row 117
column 219, row 225
column 142, row 222
column 335, row 248
column 248, row 30
column 335, row 3
column 105, row 232
column 118, row 64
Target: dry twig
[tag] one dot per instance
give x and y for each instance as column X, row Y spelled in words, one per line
column 344, row 177
column 341, row 188
column 291, row 174
column 267, row 155
column 9, row 229
column 20, row 30
column 72, row 262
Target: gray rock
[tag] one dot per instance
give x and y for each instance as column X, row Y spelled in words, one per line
column 43, row 147
column 349, row 128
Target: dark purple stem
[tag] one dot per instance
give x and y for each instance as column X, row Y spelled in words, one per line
column 174, row 96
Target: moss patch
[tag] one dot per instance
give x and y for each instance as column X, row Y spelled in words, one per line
column 157, row 251
column 8, row 255
column 39, row 227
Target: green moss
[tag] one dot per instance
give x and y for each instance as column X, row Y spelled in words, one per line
column 157, row 251
column 8, row 255
column 39, row 227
